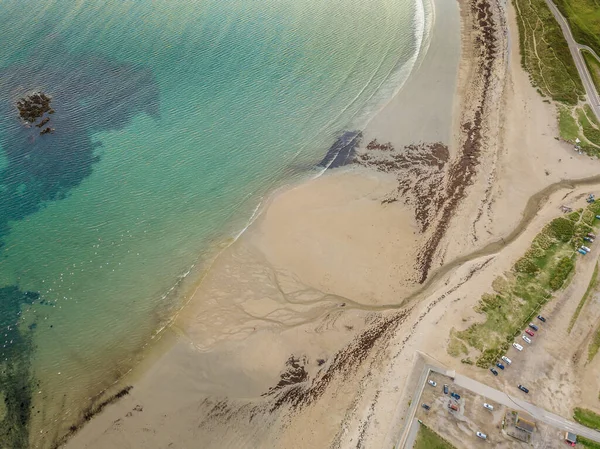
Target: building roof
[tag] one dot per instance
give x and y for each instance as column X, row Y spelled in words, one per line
column 571, row 437
column 524, row 424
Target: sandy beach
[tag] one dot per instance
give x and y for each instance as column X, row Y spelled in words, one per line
column 303, row 332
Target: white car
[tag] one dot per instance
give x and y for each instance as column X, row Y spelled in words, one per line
column 488, row 406
column 527, row 339
column 432, row 383
column 507, row 360
column 517, row 346
column 483, row 436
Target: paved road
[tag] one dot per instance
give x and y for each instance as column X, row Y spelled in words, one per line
column 412, row 434
column 575, row 48
column 515, row 403
column 409, row 433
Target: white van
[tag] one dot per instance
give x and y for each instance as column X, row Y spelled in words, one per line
column 507, row 360
column 488, row 406
column 517, row 346
column 483, row 436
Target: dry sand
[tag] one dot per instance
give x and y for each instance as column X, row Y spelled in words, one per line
column 304, row 331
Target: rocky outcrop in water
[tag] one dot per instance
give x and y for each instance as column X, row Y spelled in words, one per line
column 35, row 106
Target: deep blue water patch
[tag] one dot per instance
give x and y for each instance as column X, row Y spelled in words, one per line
column 89, row 94
column 16, row 381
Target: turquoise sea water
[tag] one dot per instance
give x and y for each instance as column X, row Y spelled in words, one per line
column 173, row 119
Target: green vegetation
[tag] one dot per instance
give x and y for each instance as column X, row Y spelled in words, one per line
column 545, row 53
column 428, row 439
column 594, row 346
column 593, row 66
column 569, row 129
column 591, row 132
column 580, row 122
column 591, row 287
column 588, row 111
column 519, row 294
column 456, row 347
column 584, row 20
column 587, row 417
column 589, row 444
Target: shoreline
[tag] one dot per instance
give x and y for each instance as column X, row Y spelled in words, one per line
column 157, row 352
column 300, row 333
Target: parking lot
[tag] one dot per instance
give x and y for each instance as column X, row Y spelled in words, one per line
column 460, row 427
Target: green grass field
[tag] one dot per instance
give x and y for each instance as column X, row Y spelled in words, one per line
column 590, row 129
column 587, row 417
column 584, row 20
column 569, row 129
column 580, row 122
column 588, row 444
column 428, row 439
column 517, row 297
column 545, row 53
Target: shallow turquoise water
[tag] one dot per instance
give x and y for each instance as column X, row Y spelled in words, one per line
column 173, row 119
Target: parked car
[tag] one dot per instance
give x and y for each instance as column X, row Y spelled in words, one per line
column 526, row 339
column 425, row 406
column 517, row 346
column 483, row 436
column 432, row 383
column 581, row 251
column 587, row 248
column 523, row 389
column 533, row 326
column 452, row 406
column 488, row 406
column 541, row 318
column 507, row 360
column 500, row 365
column 455, row 396
column 529, row 332
column 445, row 389
column 590, row 235
column 494, row 372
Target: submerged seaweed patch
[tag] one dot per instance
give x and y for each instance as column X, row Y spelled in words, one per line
column 15, row 369
column 89, row 94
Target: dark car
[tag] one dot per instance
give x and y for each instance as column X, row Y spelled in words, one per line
column 533, row 326
column 523, row 389
column 494, row 372
column 455, row 396
column 500, row 365
column 425, row 406
column 541, row 318
column 445, row 389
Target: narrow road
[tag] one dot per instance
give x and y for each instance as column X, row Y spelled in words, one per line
column 409, row 433
column 538, row 413
column 575, row 48
column 412, row 433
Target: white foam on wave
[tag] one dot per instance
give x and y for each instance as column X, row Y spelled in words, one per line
column 399, row 74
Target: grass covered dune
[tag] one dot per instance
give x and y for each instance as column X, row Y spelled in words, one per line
column 519, row 294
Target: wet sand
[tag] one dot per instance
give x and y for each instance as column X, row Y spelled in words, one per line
column 303, row 332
